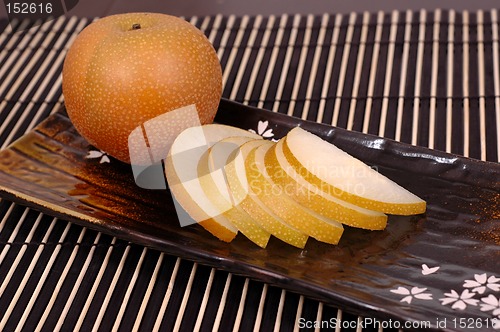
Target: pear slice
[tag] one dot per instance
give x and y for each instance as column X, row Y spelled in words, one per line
column 181, row 170
column 242, row 192
column 293, row 184
column 305, row 220
column 341, row 175
column 216, row 188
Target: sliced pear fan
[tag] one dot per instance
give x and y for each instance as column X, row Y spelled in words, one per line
column 341, row 175
column 213, row 181
column 242, row 192
column 298, row 216
column 292, row 183
column 229, row 180
column 181, row 170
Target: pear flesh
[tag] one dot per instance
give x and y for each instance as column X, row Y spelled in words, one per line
column 283, row 174
column 306, row 220
column 213, row 181
column 241, row 188
column 339, row 174
column 181, row 170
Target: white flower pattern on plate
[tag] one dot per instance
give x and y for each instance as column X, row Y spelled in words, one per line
column 460, row 301
column 94, row 154
column 426, row 270
column 482, row 282
column 262, row 129
column 491, row 303
column 414, row 292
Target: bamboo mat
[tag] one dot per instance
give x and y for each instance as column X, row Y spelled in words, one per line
column 425, row 78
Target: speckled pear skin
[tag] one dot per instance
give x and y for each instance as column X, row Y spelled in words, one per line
column 125, row 69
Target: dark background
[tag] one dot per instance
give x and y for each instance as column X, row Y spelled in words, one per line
column 92, row 8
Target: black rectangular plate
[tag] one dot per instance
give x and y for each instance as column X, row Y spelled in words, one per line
column 409, row 272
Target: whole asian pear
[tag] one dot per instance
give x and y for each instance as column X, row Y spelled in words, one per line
column 125, row 69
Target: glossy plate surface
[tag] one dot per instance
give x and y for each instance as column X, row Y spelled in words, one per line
column 443, row 265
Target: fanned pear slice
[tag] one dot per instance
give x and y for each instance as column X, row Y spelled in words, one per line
column 182, row 176
column 305, row 220
column 250, row 202
column 293, row 184
column 216, row 188
column 341, row 175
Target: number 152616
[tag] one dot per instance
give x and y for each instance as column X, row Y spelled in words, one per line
column 28, row 8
